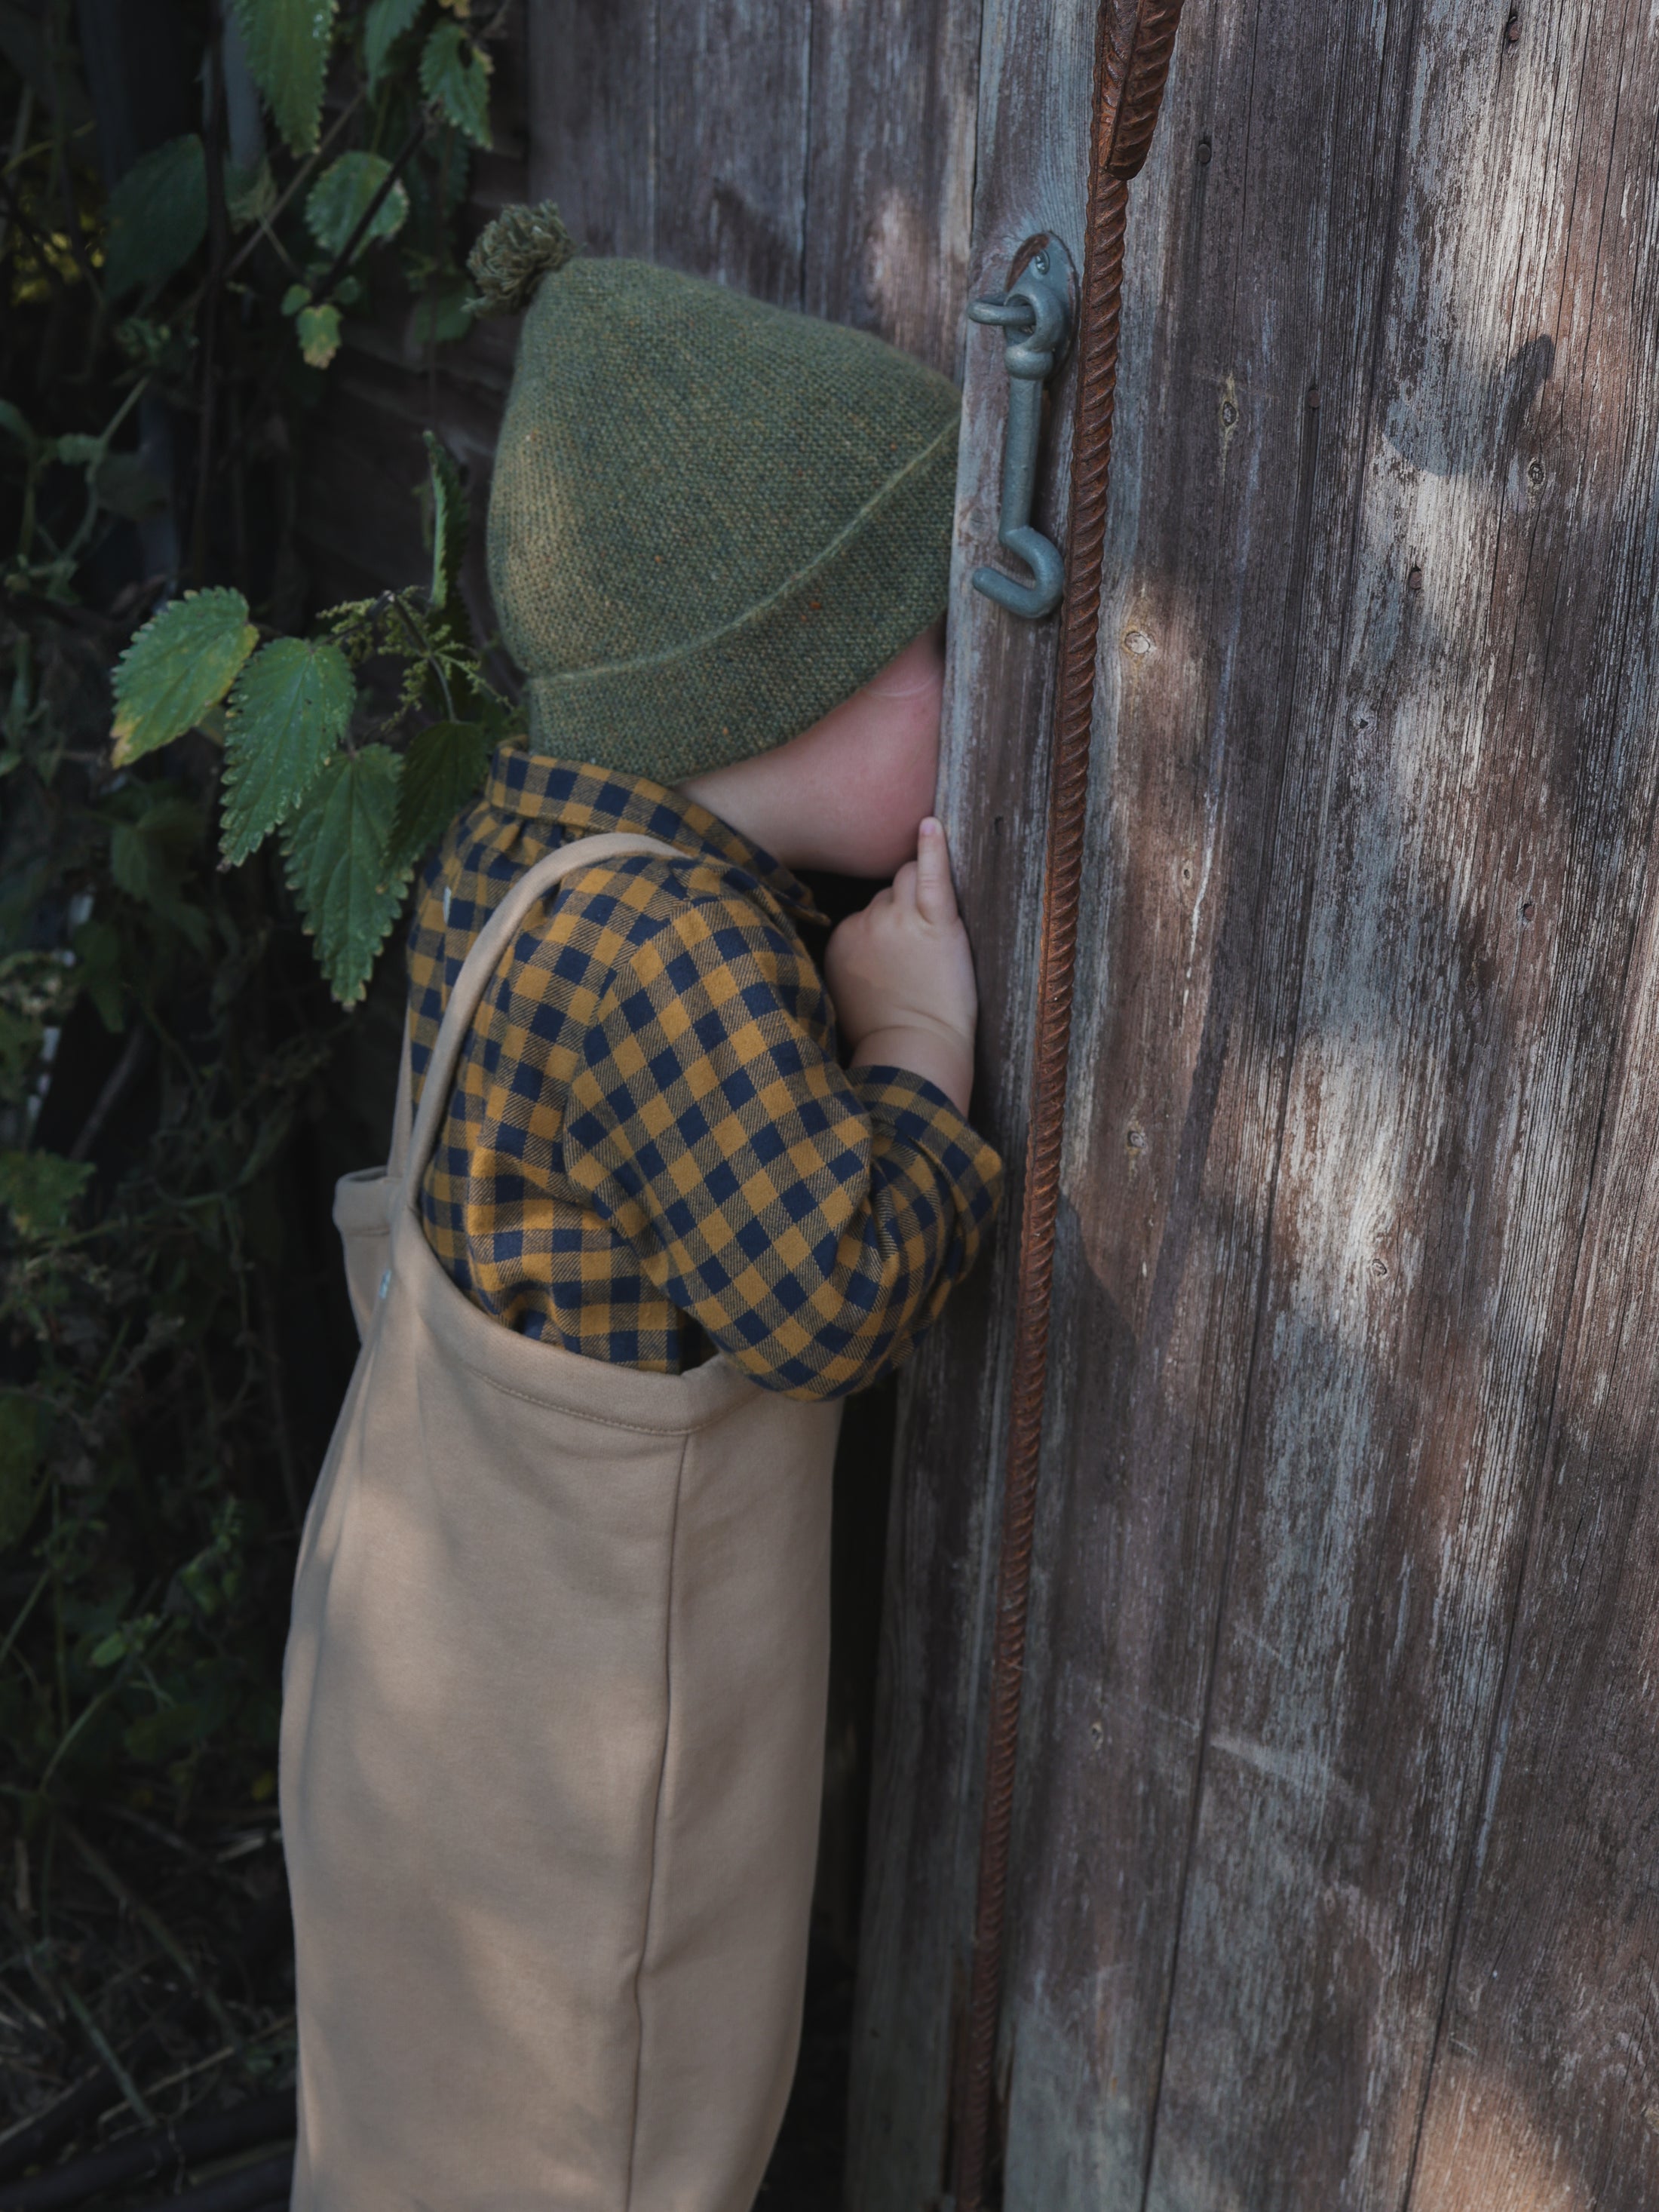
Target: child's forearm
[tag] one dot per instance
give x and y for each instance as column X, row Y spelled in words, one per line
column 929, row 1049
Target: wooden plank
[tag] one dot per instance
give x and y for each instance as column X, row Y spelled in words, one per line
column 1326, row 798
column 1036, row 71
column 1444, row 1105
column 731, row 128
column 890, row 196
column 1254, row 245
column 1543, row 2089
column 593, row 75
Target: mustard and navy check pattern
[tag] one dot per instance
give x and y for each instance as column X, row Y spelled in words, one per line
column 651, row 1148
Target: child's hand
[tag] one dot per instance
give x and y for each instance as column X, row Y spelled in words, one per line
column 902, row 976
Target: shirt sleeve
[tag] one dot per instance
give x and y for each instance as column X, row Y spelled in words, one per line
column 812, row 1221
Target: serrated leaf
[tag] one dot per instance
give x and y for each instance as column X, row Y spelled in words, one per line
column 288, row 43
column 288, row 713
column 385, row 24
column 182, row 660
column 39, row 1189
column 158, row 217
column 450, row 518
column 456, row 74
column 78, row 449
column 127, row 487
column 98, row 949
column 151, row 856
column 319, row 330
column 340, row 198
column 337, row 846
column 444, row 767
column 250, row 194
column 13, row 419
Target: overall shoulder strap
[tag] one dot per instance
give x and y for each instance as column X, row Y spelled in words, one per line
column 482, row 956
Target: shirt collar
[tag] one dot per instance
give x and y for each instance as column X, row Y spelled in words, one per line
column 585, row 801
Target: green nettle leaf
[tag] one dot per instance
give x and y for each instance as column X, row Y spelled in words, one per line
column 288, row 43
column 320, row 334
column 456, row 74
column 340, row 198
column 20, row 1047
column 158, row 217
column 339, row 864
column 250, row 194
column 288, row 713
column 99, row 949
column 13, row 419
column 443, row 313
column 79, row 450
column 385, row 24
column 38, row 1189
column 182, row 660
column 449, row 519
column 444, row 767
column 20, row 1460
column 151, row 856
column 127, row 487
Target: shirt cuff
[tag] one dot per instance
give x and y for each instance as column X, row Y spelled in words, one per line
column 908, row 1109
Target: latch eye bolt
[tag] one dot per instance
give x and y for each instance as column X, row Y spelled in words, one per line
column 1034, row 316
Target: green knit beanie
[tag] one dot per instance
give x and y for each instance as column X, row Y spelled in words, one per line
column 711, row 519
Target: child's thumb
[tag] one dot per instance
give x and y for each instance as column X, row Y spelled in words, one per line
column 936, row 898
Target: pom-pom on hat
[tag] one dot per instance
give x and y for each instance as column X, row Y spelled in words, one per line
column 712, row 520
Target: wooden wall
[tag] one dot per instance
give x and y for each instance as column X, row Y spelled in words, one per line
column 1340, row 1761
column 1341, row 1778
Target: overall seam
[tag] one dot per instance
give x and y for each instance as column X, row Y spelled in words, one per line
column 656, row 1825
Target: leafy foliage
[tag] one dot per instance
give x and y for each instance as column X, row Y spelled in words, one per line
column 448, row 522
column 340, row 864
column 442, row 770
column 456, row 74
column 289, row 712
column 178, row 666
column 37, row 1190
column 320, row 334
column 342, row 195
column 177, row 1085
column 385, row 24
column 288, row 43
column 158, row 217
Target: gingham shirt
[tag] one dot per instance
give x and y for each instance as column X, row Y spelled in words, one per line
column 651, row 1143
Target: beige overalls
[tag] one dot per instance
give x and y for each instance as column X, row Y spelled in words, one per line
column 552, row 1739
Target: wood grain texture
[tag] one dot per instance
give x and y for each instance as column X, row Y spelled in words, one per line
column 890, row 182
column 1035, row 72
column 733, row 79
column 592, row 68
column 1372, row 848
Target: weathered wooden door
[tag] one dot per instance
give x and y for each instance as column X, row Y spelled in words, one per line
column 1334, row 1862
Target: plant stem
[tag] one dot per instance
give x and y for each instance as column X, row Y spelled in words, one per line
column 342, row 259
column 423, row 647
column 156, row 1928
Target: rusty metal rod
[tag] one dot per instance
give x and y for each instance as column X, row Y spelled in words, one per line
column 1133, row 43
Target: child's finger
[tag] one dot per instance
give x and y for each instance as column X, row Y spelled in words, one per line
column 936, row 898
column 902, row 889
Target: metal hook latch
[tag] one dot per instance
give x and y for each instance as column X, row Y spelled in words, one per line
column 1035, row 311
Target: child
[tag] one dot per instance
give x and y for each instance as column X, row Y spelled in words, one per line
column 552, row 1730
